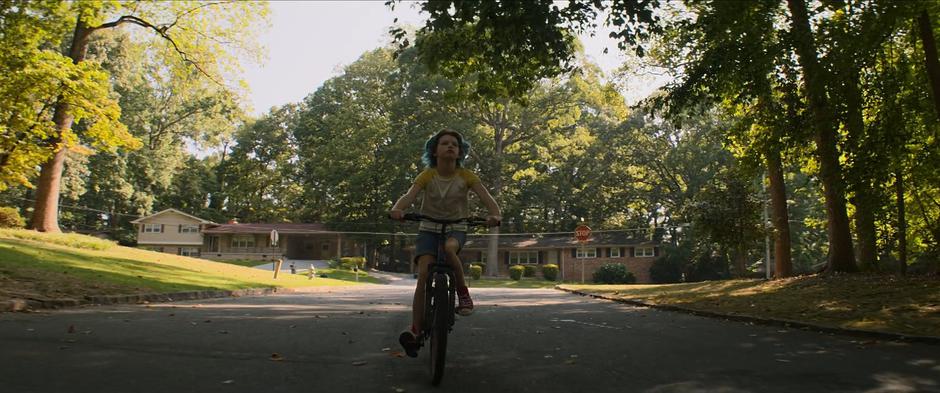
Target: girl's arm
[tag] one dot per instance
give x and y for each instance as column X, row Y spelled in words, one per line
column 489, row 202
column 404, row 202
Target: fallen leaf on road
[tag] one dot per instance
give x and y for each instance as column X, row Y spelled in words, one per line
column 359, row 363
column 782, row 360
column 228, row 381
column 386, row 349
column 399, row 390
column 71, row 329
column 208, row 321
column 570, row 361
column 548, row 356
column 397, row 354
column 223, row 331
column 276, row 357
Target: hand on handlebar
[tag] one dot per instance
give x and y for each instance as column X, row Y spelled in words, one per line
column 396, row 214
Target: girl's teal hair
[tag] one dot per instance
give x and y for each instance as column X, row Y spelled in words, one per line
column 431, row 145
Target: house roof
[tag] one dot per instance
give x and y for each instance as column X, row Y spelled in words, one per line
column 201, row 221
column 282, row 228
column 597, row 239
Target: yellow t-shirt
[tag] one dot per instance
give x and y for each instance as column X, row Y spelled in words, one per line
column 445, row 198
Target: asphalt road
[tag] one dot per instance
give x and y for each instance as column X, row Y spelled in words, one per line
column 345, row 340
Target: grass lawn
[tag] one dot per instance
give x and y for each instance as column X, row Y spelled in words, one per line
column 245, row 262
column 526, row 282
column 36, row 265
column 342, row 275
column 906, row 305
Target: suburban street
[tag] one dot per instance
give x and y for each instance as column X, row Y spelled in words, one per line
column 345, row 340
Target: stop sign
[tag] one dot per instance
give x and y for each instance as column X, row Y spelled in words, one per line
column 582, row 233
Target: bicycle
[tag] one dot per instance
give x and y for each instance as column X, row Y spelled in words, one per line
column 439, row 296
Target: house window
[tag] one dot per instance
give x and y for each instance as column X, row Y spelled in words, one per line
column 523, row 257
column 645, row 252
column 587, row 252
column 615, row 252
column 153, row 228
column 189, row 228
column 189, row 251
column 243, row 241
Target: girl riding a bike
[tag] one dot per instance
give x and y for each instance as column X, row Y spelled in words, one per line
column 446, row 187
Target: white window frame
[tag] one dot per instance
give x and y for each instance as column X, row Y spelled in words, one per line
column 189, row 228
column 152, row 228
column 523, row 257
column 586, row 253
column 189, row 251
column 243, row 241
column 615, row 250
column 645, row 252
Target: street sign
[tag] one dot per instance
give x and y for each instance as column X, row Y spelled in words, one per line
column 582, row 233
column 274, row 237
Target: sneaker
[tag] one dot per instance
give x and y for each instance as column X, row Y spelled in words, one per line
column 464, row 302
column 409, row 342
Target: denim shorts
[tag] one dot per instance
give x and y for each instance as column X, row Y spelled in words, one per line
column 427, row 243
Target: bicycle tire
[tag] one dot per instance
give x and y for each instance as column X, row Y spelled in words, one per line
column 439, row 328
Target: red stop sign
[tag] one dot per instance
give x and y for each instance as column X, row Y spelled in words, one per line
column 582, row 233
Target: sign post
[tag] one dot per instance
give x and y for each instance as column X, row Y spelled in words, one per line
column 582, row 233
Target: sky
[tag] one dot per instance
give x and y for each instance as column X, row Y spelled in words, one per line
column 311, row 41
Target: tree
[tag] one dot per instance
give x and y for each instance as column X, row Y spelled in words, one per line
column 191, row 37
column 507, row 47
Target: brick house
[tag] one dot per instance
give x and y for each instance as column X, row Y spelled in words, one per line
column 563, row 250
column 172, row 231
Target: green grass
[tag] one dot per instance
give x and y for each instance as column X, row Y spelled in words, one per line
column 65, row 239
column 906, row 305
column 244, row 262
column 526, row 282
column 343, row 275
column 38, row 265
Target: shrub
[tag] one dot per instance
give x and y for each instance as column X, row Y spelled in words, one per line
column 550, row 272
column 515, row 272
column 10, row 218
column 666, row 270
column 482, row 265
column 529, row 270
column 475, row 272
column 613, row 273
column 348, row 263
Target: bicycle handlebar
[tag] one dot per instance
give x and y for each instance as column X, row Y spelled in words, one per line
column 472, row 221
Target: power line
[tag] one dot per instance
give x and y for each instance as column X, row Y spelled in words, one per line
column 85, row 208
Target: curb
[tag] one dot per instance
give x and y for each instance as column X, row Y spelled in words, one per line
column 34, row 304
column 770, row 321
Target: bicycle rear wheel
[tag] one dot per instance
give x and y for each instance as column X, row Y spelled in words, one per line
column 439, row 328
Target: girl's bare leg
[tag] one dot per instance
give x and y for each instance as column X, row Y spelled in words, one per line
column 450, row 251
column 417, row 306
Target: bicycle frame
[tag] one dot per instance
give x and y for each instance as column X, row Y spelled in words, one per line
column 440, row 293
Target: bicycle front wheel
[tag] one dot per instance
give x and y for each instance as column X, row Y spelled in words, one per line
column 439, row 328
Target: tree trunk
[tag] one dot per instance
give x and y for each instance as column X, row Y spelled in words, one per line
column 902, row 224
column 492, row 251
column 925, row 29
column 865, row 227
column 783, row 265
column 863, row 173
column 45, row 213
column 841, row 255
